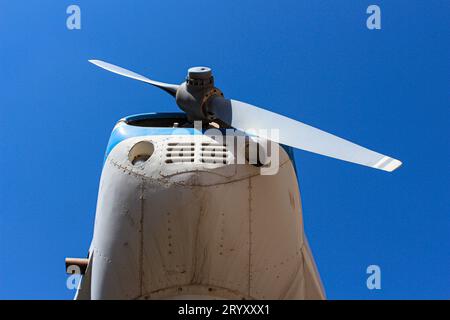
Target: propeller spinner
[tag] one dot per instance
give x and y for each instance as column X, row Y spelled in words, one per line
column 198, row 97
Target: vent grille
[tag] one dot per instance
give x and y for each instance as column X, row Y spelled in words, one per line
column 214, row 153
column 178, row 152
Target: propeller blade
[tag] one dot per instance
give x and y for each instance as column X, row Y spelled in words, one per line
column 245, row 117
column 169, row 88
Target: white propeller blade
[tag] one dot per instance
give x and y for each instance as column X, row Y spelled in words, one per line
column 170, row 88
column 244, row 116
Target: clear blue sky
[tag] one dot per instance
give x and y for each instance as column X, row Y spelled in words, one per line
column 314, row 61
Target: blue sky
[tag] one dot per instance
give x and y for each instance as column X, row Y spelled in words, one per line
column 314, row 61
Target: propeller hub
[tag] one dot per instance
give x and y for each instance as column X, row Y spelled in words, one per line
column 200, row 77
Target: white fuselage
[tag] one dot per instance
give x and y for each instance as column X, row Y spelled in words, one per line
column 174, row 227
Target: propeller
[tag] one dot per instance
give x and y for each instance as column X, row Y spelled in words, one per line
column 198, row 97
column 169, row 88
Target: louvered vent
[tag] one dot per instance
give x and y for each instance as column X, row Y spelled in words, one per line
column 214, row 153
column 178, row 152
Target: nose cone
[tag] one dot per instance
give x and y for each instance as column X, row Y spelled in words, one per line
column 199, row 73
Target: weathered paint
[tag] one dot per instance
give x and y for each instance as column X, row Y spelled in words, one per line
column 175, row 230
